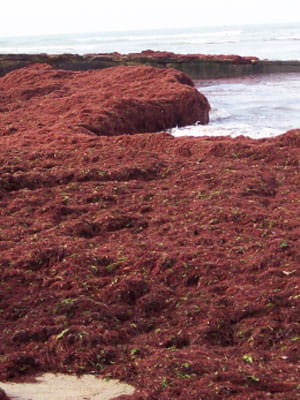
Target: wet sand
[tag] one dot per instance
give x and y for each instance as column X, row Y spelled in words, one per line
column 66, row 387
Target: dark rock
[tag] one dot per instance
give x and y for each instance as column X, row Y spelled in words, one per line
column 198, row 66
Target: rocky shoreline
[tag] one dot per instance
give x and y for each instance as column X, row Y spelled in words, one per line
column 197, row 66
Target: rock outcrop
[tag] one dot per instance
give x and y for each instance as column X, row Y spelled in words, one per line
column 198, row 66
column 102, row 102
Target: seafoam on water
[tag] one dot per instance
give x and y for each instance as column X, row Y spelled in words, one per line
column 257, row 106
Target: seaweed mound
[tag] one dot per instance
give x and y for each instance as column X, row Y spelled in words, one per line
column 170, row 263
column 103, row 102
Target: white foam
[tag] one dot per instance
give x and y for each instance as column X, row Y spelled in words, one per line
column 209, row 41
column 257, row 107
column 296, row 37
column 232, row 130
column 217, row 114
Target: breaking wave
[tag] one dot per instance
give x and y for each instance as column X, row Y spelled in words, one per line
column 257, row 107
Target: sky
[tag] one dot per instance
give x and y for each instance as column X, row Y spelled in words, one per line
column 39, row 17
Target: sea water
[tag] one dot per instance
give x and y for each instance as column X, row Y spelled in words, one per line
column 257, row 106
column 276, row 41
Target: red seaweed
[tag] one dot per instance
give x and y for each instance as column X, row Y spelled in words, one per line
column 169, row 263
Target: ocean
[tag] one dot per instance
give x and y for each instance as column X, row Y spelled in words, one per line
column 256, row 106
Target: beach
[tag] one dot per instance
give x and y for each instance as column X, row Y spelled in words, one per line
column 149, row 231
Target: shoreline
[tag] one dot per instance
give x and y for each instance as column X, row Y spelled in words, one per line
column 197, row 66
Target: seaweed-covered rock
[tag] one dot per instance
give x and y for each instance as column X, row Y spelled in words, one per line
column 108, row 102
column 198, row 66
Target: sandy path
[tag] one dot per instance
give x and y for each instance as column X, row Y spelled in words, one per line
column 66, row 387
